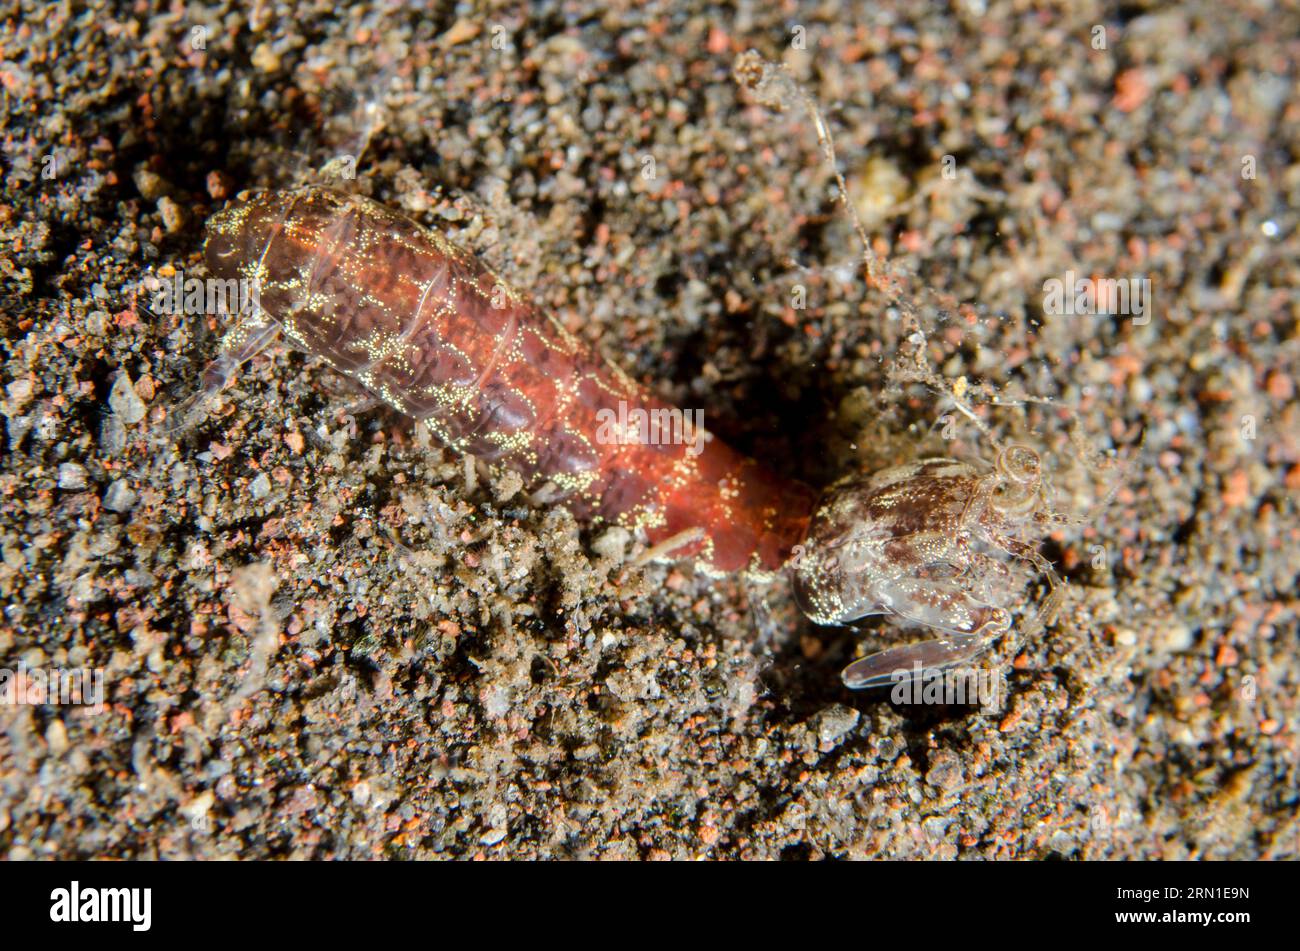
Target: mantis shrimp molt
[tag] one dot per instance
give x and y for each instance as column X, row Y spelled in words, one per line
column 436, row 335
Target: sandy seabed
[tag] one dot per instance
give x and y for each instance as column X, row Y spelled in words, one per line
column 321, row 636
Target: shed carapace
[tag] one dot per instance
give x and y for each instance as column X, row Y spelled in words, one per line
column 435, row 334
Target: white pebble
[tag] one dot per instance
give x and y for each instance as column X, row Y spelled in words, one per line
column 125, row 402
column 260, row 487
column 72, row 475
column 119, row 497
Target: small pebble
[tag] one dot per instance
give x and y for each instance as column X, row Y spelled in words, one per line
column 125, row 402
column 173, row 215
column 19, row 393
column 462, row 31
column 119, row 497
column 112, row 435
column 56, row 737
column 612, row 543
column 72, row 475
column 834, row 722
column 260, row 487
column 266, row 58
column 150, row 185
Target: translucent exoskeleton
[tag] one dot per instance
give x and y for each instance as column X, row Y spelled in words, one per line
column 935, row 543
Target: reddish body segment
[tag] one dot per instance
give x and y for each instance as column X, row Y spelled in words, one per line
column 438, row 336
column 434, row 333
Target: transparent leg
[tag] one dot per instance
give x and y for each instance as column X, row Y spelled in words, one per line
column 245, row 340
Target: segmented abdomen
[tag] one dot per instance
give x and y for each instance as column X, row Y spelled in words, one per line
column 437, row 335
